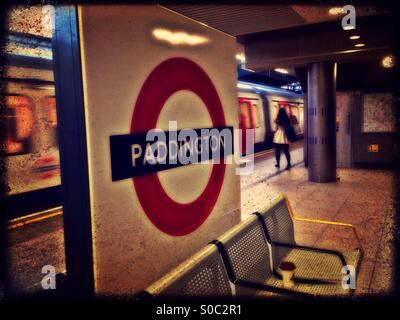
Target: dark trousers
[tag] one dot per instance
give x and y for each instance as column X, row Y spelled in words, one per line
column 285, row 148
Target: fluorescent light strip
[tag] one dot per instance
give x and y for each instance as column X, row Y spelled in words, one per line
column 179, row 37
column 281, row 70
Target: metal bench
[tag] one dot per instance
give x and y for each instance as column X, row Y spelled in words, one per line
column 249, row 263
column 202, row 275
column 244, row 260
column 313, row 265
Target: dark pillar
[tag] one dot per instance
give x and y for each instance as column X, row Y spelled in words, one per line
column 301, row 73
column 305, row 130
column 73, row 154
column 321, row 109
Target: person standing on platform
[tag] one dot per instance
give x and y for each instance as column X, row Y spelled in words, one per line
column 281, row 139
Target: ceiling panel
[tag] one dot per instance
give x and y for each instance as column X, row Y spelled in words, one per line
column 320, row 13
column 238, row 19
column 241, row 19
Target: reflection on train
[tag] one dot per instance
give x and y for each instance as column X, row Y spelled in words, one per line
column 29, row 149
column 258, row 107
column 31, row 122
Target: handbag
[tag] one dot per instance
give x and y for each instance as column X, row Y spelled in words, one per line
column 290, row 133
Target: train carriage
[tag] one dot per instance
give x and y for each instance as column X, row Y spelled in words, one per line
column 29, row 148
column 258, row 108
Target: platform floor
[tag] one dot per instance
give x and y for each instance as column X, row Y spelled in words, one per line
column 363, row 198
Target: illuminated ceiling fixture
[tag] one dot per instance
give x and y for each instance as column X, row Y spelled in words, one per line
column 335, row 11
column 388, row 61
column 179, row 37
column 359, row 45
column 348, row 28
column 280, row 70
column 241, row 57
column 354, row 37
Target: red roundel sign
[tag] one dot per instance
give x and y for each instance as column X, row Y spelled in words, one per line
column 168, row 77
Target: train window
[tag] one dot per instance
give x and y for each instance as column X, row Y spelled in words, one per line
column 17, row 119
column 275, row 109
column 294, row 111
column 248, row 114
column 301, row 116
column 254, row 112
column 244, row 115
column 295, row 118
column 274, row 114
column 294, row 115
column 48, row 105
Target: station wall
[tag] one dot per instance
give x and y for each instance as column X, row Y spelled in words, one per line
column 122, row 48
column 364, row 153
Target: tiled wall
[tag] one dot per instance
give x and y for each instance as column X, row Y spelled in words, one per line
column 378, row 120
column 378, row 112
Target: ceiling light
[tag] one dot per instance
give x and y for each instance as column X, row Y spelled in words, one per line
column 280, row 70
column 349, row 28
column 335, row 11
column 179, row 37
column 354, row 37
column 388, row 61
column 359, row 45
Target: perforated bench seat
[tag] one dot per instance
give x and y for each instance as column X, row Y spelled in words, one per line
column 248, row 257
column 312, row 263
column 315, row 265
column 326, row 290
column 202, row 275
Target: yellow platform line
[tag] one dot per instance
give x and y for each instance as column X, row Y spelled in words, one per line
column 35, row 217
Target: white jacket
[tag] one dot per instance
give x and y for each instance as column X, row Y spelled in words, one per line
column 280, row 136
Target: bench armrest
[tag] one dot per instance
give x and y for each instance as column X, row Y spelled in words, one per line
column 316, row 249
column 332, row 223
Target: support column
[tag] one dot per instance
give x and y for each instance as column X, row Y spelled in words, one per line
column 301, row 73
column 321, row 109
column 305, row 130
